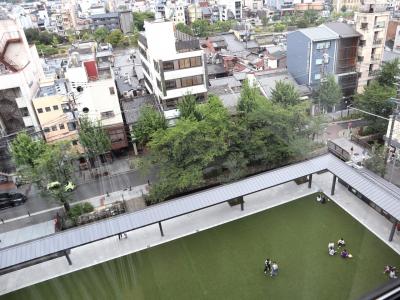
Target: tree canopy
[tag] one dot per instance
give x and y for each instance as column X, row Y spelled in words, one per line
column 140, row 17
column 93, row 137
column 388, row 73
column 329, row 93
column 25, row 150
column 285, row 94
column 148, row 123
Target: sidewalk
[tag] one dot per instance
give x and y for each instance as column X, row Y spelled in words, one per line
column 98, row 252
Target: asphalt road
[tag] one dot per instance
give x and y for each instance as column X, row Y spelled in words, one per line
column 38, row 201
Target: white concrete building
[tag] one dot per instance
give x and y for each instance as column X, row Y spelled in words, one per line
column 173, row 64
column 176, row 11
column 371, row 22
column 20, row 72
column 254, row 4
column 230, row 9
column 94, row 92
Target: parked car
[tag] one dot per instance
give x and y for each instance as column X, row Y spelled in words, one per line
column 69, row 187
column 11, row 199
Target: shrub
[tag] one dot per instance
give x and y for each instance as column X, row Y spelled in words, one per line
column 80, row 209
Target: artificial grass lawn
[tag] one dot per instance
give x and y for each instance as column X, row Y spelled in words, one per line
column 227, row 262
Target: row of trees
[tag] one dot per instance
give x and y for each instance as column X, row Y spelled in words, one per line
column 203, row 28
column 42, row 163
column 207, row 144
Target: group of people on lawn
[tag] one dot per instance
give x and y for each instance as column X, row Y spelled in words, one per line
column 340, row 244
column 391, row 271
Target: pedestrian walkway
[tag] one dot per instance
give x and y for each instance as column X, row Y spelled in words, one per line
column 95, row 253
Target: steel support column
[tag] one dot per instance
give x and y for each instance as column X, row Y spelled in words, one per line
column 242, row 204
column 333, row 185
column 67, row 257
column 392, row 231
column 161, row 230
column 309, row 181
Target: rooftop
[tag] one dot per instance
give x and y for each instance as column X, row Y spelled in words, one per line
column 319, row 34
column 132, row 106
column 342, row 29
column 107, row 15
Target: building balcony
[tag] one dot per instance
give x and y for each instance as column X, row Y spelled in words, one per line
column 364, row 26
column 375, row 58
column 372, row 73
column 372, row 8
column 21, row 102
column 143, row 40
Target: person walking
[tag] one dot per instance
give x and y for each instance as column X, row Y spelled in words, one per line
column 267, row 266
column 274, row 269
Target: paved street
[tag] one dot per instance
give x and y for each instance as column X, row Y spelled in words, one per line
column 37, row 201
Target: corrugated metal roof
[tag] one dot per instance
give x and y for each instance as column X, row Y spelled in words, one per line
column 319, row 34
column 60, row 241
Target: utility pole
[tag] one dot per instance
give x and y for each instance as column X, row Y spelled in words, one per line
column 387, row 151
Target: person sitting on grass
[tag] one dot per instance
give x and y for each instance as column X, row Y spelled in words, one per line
column 345, row 254
column 332, row 251
column 341, row 243
column 267, row 266
column 387, row 269
column 392, row 274
column 274, row 269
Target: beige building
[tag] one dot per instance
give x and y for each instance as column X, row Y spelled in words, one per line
column 371, row 22
column 55, row 116
column 351, row 5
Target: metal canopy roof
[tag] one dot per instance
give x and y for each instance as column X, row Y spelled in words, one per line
column 24, row 252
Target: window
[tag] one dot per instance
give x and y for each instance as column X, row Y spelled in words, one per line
column 168, row 65
column 40, row 110
column 54, row 128
column 323, row 45
column 195, row 61
column 159, row 85
column 61, row 126
column 47, row 108
column 318, row 61
column 55, row 107
column 112, row 91
column 46, row 129
column 65, row 107
column 170, row 84
column 184, row 63
column 187, row 81
column 71, row 126
column 197, row 80
column 317, row 76
column 24, row 111
column 107, row 114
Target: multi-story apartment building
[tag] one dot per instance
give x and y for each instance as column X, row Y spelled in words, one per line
column 311, row 54
column 254, row 4
column 230, row 9
column 371, row 22
column 55, row 115
column 350, row 5
column 20, row 72
column 94, row 93
column 173, row 64
column 346, row 57
column 176, row 11
column 109, row 21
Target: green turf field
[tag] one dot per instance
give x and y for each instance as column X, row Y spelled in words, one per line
column 226, row 262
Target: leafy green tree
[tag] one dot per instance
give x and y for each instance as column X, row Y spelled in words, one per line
column 279, row 27
column 115, row 38
column 54, row 164
column 184, row 152
column 343, row 9
column 187, row 107
column 317, row 126
column 376, row 161
column 86, row 36
column 140, row 17
column 374, row 99
column 101, row 34
column 93, row 138
column 311, row 16
column 250, row 98
column 200, row 28
column 388, row 73
column 25, row 150
column 264, row 21
column 329, row 93
column 148, row 123
column 285, row 94
column 223, row 26
column 32, row 35
column 184, row 28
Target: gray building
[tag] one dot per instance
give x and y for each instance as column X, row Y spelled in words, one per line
column 311, row 54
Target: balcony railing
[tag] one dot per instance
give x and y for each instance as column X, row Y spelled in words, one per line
column 143, row 40
column 372, row 73
column 379, row 25
column 372, row 8
column 377, row 42
column 375, row 58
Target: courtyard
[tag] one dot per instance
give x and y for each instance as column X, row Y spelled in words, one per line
column 226, row 262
